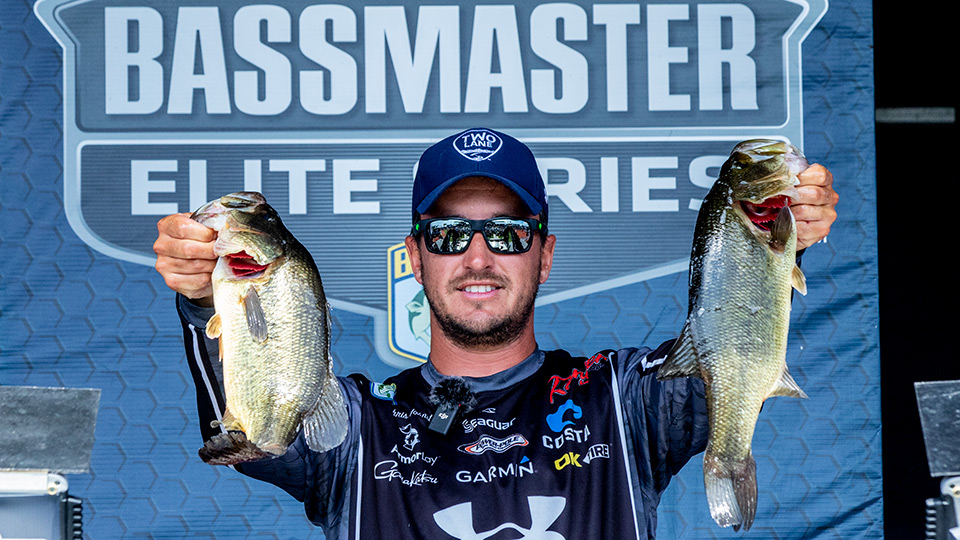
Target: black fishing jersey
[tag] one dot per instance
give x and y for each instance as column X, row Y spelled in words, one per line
column 557, row 447
column 545, row 457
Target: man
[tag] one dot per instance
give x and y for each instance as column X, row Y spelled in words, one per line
column 548, row 446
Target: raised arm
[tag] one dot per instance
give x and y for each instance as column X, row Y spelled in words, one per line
column 185, row 259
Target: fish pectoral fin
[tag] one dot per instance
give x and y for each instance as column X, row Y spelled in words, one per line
column 229, row 422
column 798, row 280
column 256, row 320
column 681, row 361
column 214, row 327
column 325, row 425
column 787, row 387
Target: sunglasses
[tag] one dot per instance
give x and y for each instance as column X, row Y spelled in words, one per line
column 503, row 235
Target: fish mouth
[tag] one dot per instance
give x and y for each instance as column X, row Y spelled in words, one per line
column 243, row 265
column 764, row 213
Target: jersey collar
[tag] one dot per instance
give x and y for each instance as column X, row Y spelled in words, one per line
column 496, row 381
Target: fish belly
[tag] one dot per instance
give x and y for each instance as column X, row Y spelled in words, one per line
column 270, row 385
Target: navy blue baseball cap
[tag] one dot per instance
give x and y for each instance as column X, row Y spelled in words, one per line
column 478, row 152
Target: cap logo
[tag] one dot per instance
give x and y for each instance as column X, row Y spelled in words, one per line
column 478, row 144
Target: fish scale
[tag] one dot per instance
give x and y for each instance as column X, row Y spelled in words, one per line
column 291, row 383
column 735, row 335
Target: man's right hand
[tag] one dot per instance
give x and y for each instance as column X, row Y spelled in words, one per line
column 185, row 257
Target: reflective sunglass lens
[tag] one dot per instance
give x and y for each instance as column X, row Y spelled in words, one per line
column 507, row 235
column 448, row 235
column 453, row 235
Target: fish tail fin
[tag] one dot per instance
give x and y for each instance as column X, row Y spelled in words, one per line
column 230, row 448
column 325, row 425
column 731, row 490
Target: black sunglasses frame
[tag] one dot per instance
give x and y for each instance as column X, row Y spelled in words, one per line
column 478, row 226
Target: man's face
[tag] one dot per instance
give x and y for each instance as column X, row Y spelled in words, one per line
column 480, row 299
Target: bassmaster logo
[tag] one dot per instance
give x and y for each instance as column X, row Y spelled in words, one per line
column 407, row 308
column 630, row 108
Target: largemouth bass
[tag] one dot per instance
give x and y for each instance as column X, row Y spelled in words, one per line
column 273, row 325
column 742, row 268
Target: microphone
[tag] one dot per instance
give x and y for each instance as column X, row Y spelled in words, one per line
column 451, row 396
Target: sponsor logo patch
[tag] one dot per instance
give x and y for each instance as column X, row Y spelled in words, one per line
column 512, row 470
column 569, row 434
column 474, row 423
column 499, row 446
column 411, row 437
column 457, row 520
column 382, row 391
column 415, row 457
column 478, row 144
column 388, row 470
column 412, row 413
column 597, row 451
column 556, row 420
column 561, row 385
column 570, row 458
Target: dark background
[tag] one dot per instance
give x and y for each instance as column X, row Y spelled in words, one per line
column 915, row 63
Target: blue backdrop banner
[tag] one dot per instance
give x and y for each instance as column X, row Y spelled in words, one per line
column 114, row 114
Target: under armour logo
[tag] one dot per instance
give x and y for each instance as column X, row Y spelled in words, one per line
column 457, row 521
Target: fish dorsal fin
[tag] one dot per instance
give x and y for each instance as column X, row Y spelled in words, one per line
column 325, row 425
column 214, row 327
column 681, row 360
column 787, row 387
column 798, row 280
column 781, row 230
column 256, row 321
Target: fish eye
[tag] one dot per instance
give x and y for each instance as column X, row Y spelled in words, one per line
column 234, row 202
column 239, row 200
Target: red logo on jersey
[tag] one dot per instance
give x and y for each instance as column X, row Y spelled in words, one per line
column 559, row 386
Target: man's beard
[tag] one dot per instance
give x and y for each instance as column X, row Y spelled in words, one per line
column 486, row 335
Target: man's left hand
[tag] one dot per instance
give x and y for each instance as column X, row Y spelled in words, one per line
column 814, row 207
